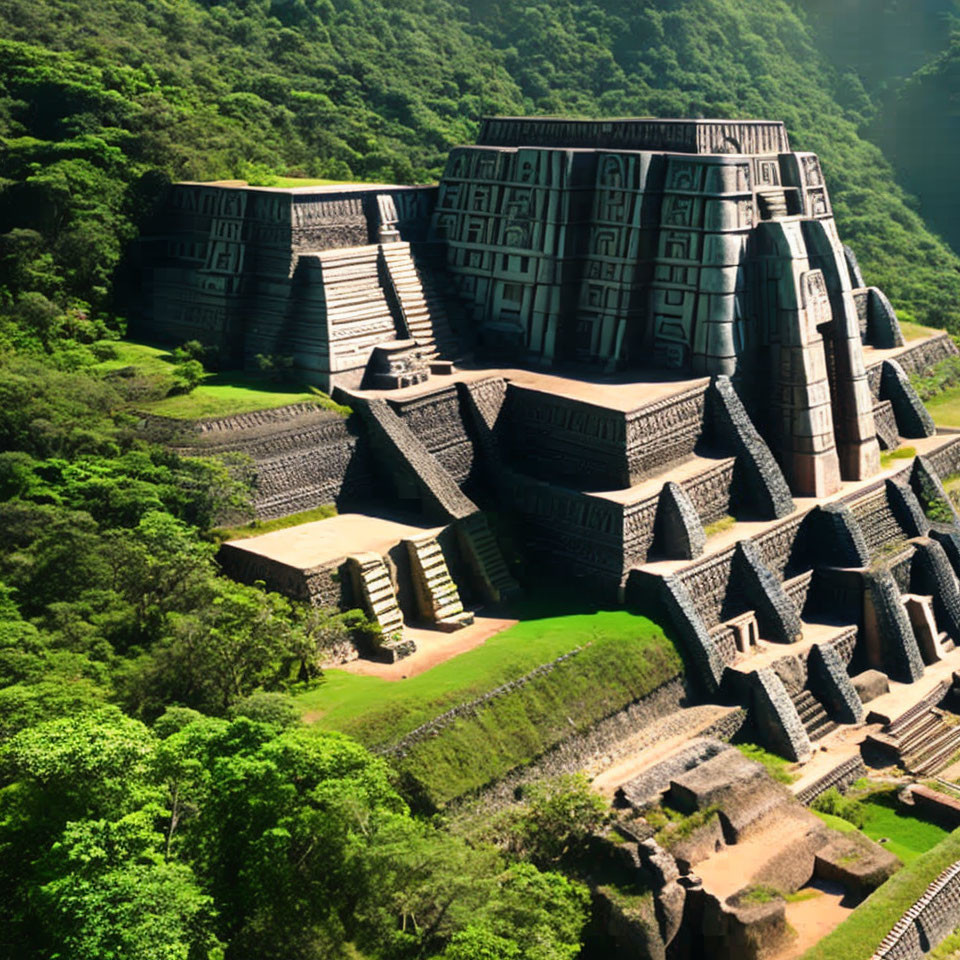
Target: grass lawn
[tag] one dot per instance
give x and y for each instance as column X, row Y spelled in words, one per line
column 860, row 934
column 256, row 527
column 901, row 453
column 219, row 395
column 916, row 331
column 307, row 182
column 624, row 657
column 908, row 837
column 945, row 408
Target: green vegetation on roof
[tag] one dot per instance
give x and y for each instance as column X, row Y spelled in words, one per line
column 257, row 527
column 220, row 394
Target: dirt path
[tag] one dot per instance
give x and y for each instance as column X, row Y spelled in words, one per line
column 813, row 919
column 433, row 647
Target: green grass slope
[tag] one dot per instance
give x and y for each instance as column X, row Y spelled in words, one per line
column 621, row 657
column 860, row 934
column 99, row 99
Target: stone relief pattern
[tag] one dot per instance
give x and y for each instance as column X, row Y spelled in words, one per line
column 711, row 492
column 877, row 521
column 797, row 589
column 563, row 522
column 558, row 437
column 709, row 583
column 638, row 523
column 776, row 545
column 436, row 420
column 664, row 433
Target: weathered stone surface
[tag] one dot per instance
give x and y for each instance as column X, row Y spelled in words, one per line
column 836, row 538
column 678, row 532
column 648, row 787
column 711, row 781
column 913, row 418
column 699, row 646
column 829, row 680
column 870, row 684
column 778, row 617
column 776, row 717
column 907, row 510
column 889, row 639
column 768, row 492
column 931, row 574
column 856, row 862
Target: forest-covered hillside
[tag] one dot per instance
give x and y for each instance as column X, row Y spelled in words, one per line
column 96, row 94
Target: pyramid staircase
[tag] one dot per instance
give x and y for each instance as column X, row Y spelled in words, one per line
column 484, row 556
column 421, row 302
column 813, row 715
column 358, row 314
column 372, row 578
column 437, row 595
column 926, row 744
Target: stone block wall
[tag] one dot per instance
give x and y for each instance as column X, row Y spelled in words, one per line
column 437, row 421
column 927, row 922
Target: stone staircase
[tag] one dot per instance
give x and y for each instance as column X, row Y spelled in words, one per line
column 358, row 314
column 421, row 302
column 437, row 595
column 773, row 204
column 372, row 578
column 928, row 742
column 813, row 715
column 483, row 554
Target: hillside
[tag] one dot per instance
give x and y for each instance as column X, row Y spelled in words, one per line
column 96, row 96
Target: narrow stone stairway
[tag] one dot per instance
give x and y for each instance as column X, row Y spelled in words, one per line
column 421, row 302
column 376, row 587
column 484, row 555
column 813, row 715
column 356, row 305
column 437, row 595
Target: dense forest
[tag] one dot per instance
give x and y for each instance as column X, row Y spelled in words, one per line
column 159, row 797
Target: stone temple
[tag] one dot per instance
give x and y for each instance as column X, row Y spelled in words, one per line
column 643, row 343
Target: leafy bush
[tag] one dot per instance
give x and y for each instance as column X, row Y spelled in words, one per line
column 836, row 804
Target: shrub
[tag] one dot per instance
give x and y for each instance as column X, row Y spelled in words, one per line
column 836, row 804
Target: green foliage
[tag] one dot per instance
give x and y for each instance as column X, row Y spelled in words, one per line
column 944, row 376
column 556, row 818
column 776, row 766
column 836, row 804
